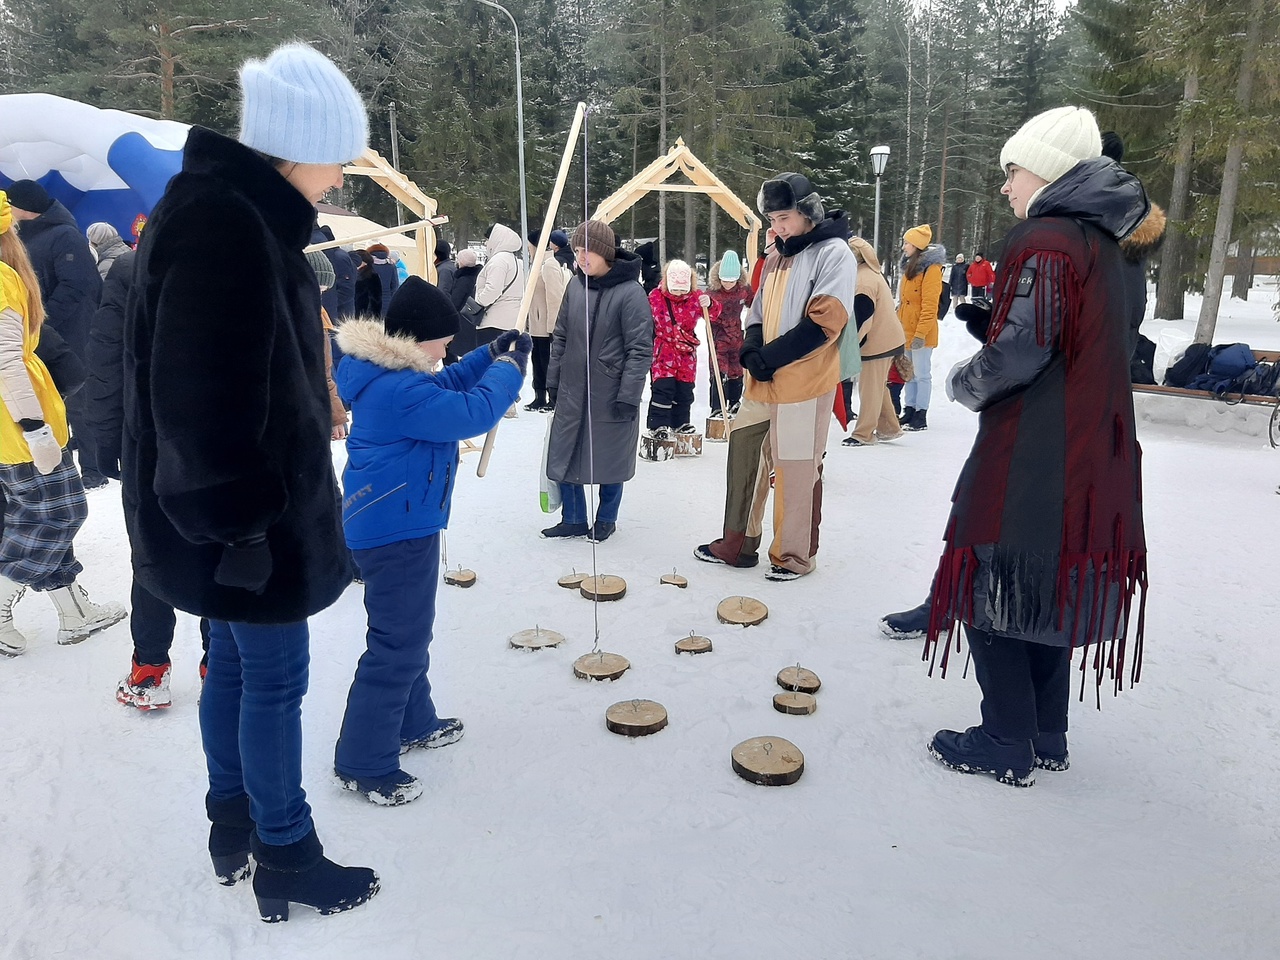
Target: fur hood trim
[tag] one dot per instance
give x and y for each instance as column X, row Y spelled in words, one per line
column 863, row 253
column 1146, row 240
column 369, row 340
column 934, row 255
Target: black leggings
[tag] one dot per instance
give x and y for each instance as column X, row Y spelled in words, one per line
column 732, row 392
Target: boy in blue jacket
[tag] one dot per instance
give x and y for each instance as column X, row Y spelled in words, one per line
column 402, row 457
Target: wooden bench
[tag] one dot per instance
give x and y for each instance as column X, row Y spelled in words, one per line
column 1267, row 356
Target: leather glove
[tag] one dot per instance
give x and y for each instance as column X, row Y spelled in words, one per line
column 917, row 343
column 519, row 354
column 45, row 452
column 501, row 345
column 753, row 360
column 626, row 411
column 977, row 319
column 246, row 565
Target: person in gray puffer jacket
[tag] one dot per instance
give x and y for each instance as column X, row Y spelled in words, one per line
column 107, row 246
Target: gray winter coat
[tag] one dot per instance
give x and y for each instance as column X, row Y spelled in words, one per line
column 621, row 350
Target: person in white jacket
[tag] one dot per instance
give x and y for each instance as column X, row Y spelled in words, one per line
column 500, row 285
column 548, row 292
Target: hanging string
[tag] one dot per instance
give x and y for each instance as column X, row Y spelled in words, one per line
column 591, row 447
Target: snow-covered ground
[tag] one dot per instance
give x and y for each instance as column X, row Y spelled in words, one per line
column 542, row 835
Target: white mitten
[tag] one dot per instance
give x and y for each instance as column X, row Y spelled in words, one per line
column 44, row 449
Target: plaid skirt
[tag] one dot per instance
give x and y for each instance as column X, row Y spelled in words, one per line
column 41, row 517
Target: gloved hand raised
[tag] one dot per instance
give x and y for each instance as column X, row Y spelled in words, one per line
column 246, row 565
column 45, row 452
column 503, row 343
column 519, row 354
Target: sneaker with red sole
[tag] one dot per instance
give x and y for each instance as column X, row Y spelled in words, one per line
column 146, row 687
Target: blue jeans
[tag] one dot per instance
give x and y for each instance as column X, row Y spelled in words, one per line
column 573, row 503
column 251, row 723
column 916, row 393
column 390, row 698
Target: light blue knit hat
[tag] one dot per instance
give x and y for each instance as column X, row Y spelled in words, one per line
column 730, row 266
column 297, row 105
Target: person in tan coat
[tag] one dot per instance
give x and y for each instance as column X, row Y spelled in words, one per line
column 881, row 339
column 548, row 292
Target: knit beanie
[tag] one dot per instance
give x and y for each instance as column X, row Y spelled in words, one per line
column 919, row 237
column 29, row 196
column 597, row 237
column 467, row 258
column 419, row 310
column 679, row 277
column 559, row 238
column 790, row 191
column 1053, row 142
column 297, row 105
column 730, row 266
column 100, row 234
column 6, row 212
column 322, row 267
column 443, row 250
column 1113, row 146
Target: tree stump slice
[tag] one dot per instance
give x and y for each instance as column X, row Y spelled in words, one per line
column 692, row 644
column 797, row 704
column 717, row 430
column 636, row 718
column 688, row 445
column 460, row 578
column 655, row 450
column 741, row 611
column 799, row 679
column 603, row 588
column 768, row 761
column 600, row 666
column 572, row 581
column 536, row 639
column 674, row 579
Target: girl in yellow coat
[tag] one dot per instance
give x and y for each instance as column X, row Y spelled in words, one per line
column 44, row 501
column 918, row 296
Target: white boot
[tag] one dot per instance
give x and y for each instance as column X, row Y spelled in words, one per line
column 78, row 616
column 12, row 642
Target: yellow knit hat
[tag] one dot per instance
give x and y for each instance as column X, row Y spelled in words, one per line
column 919, row 237
column 6, row 212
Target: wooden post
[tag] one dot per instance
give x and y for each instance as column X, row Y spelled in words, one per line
column 539, row 257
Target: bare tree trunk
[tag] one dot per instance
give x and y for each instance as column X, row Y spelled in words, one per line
column 1242, row 279
column 164, row 50
column 712, row 239
column 928, row 109
column 906, row 154
column 1230, row 182
column 942, row 185
column 1171, row 288
column 635, row 159
column 662, row 133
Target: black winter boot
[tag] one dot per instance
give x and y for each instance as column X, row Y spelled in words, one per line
column 907, row 413
column 300, row 873
column 230, row 828
column 976, row 751
column 919, row 421
column 908, row 625
column 1051, row 752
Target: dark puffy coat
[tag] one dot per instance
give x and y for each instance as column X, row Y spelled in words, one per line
column 621, row 350
column 368, row 292
column 960, row 279
column 227, row 422
column 104, row 386
column 68, row 274
column 464, row 285
column 339, row 301
column 66, row 369
column 446, row 270
column 388, row 276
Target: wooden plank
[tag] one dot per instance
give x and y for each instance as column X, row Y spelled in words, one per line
column 1230, row 398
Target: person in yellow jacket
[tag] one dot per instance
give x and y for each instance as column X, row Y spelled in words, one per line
column 918, row 296
column 44, row 500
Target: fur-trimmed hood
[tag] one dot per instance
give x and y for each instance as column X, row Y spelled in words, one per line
column 368, row 340
column 1146, row 240
column 934, row 255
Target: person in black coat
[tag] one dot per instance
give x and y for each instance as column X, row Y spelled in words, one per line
column 104, row 385
column 445, row 268
column 70, row 287
column 368, row 285
column 959, row 281
column 339, row 301
column 230, row 499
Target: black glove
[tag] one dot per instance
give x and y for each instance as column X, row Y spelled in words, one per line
column 625, row 411
column 977, row 319
column 246, row 565
column 503, row 343
column 520, row 353
column 753, row 360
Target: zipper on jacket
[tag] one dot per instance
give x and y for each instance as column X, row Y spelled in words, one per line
column 448, row 475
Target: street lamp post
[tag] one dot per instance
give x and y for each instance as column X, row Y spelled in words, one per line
column 524, row 205
column 879, row 160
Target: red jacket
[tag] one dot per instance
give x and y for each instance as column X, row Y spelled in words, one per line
column 675, row 334
column 980, row 274
column 726, row 324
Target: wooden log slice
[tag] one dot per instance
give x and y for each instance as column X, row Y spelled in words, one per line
column 655, row 450
column 603, row 587
column 716, row 430
column 600, row 666
column 536, row 639
column 799, row 679
column 636, row 718
column 768, row 761
column 460, row 578
column 572, row 581
column 798, row 704
column 741, row 611
column 674, row 579
column 688, row 445
column 692, row 644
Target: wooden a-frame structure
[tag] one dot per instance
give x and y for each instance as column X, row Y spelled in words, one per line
column 655, row 176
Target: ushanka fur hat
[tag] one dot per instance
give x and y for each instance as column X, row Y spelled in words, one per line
column 419, row 310
column 1051, row 143
column 790, row 191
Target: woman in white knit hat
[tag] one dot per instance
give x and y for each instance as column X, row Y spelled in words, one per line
column 1045, row 550
column 230, row 498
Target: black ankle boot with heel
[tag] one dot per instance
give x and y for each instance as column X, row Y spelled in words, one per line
column 230, row 828
column 299, row 872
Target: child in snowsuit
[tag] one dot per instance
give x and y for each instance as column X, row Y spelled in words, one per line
column 677, row 311
column 402, row 457
column 730, row 297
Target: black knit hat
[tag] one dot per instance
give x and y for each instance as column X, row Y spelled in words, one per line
column 29, row 196
column 419, row 310
column 443, row 250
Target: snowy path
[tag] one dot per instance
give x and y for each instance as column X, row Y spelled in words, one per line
column 541, row 835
